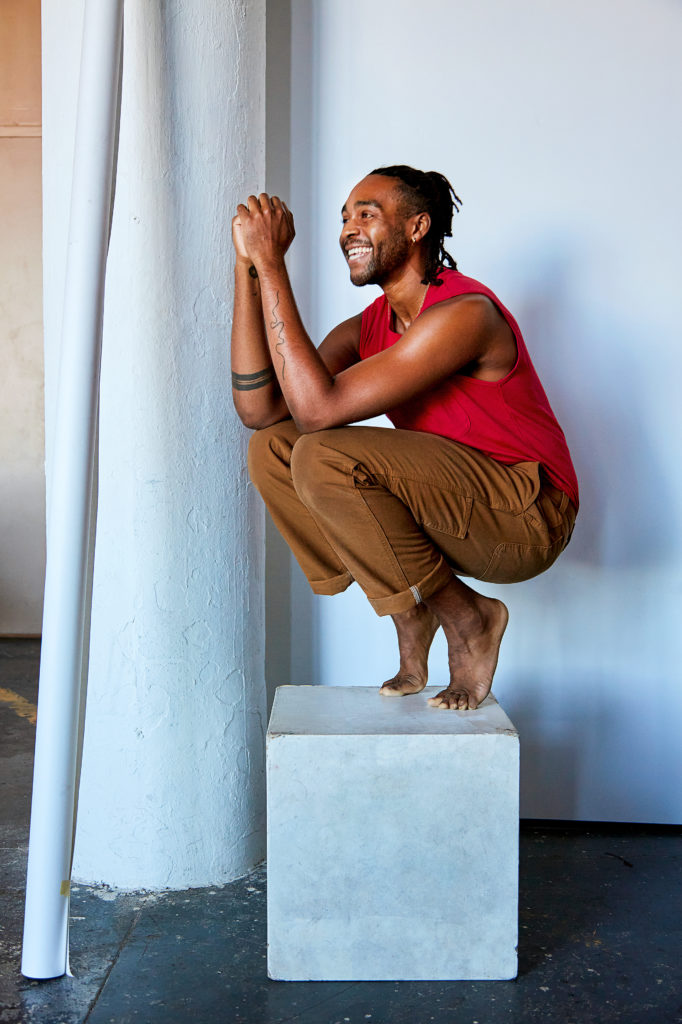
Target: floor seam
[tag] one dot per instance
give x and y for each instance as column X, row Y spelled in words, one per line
column 106, row 977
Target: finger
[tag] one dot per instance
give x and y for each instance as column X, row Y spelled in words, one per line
column 277, row 202
column 252, row 204
column 264, row 201
column 289, row 215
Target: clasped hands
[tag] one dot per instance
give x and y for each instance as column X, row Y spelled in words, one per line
column 262, row 230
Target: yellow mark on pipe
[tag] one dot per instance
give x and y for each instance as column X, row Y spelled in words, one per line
column 19, row 705
column 65, row 888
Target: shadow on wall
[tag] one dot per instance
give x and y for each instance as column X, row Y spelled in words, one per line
column 588, row 760
column 592, row 362
column 291, row 632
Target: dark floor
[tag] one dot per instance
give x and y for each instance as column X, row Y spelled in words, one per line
column 600, row 932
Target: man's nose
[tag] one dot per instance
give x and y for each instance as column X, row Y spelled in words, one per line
column 348, row 230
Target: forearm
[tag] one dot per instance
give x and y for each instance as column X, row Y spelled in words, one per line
column 303, row 378
column 255, row 389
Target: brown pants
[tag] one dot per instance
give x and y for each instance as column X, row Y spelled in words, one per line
column 400, row 511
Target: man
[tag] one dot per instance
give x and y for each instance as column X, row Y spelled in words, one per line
column 476, row 479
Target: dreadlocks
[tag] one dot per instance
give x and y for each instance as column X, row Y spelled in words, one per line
column 428, row 192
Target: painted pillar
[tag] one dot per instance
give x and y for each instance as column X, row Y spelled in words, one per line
column 172, row 790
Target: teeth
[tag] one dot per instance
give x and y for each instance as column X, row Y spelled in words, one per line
column 358, row 250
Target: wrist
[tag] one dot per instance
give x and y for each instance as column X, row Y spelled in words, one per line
column 269, row 265
column 245, row 268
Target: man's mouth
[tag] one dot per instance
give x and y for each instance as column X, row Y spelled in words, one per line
column 357, row 252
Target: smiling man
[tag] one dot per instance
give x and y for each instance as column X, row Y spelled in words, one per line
column 476, row 480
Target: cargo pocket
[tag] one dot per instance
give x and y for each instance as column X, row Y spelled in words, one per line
column 449, row 517
column 514, row 563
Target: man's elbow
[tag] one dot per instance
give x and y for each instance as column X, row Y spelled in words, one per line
column 252, row 422
column 316, row 415
column 305, row 425
column 310, row 422
column 257, row 420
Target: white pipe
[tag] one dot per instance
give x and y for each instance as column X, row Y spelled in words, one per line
column 45, row 949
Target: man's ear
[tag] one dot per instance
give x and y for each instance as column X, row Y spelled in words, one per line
column 421, row 223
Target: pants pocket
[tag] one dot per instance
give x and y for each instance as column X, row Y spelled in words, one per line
column 514, row 563
column 451, row 518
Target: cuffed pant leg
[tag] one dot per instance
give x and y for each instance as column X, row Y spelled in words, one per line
column 269, row 461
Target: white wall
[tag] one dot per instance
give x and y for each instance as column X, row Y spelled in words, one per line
column 555, row 122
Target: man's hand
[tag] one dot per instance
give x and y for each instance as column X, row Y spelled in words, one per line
column 238, row 241
column 263, row 229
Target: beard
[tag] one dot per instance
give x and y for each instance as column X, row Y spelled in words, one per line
column 384, row 259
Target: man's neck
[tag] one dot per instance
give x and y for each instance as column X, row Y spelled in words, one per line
column 405, row 294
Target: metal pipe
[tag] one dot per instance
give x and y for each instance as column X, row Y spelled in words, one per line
column 62, row 663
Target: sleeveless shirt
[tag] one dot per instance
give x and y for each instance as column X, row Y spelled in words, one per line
column 509, row 420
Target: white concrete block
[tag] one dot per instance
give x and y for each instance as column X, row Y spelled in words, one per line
column 392, row 838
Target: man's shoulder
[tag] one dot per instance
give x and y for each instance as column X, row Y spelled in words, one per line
column 453, row 282
column 455, row 285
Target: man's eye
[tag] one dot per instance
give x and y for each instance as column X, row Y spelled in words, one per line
column 366, row 214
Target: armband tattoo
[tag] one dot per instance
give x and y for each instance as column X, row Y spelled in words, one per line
column 252, row 381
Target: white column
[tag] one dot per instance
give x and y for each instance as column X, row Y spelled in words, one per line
column 172, row 789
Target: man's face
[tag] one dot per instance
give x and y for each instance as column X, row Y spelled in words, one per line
column 374, row 237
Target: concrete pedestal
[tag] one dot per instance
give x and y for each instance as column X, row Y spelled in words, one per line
column 392, row 838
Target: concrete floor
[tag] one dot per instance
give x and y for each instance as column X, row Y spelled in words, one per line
column 600, row 932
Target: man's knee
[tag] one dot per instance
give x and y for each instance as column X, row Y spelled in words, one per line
column 259, row 455
column 270, row 451
column 304, row 460
column 319, row 468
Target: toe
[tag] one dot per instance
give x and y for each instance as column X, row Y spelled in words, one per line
column 446, row 699
column 389, row 690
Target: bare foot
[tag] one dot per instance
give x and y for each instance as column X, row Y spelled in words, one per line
column 416, row 629
column 474, row 626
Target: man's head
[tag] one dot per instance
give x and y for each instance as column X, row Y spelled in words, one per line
column 396, row 215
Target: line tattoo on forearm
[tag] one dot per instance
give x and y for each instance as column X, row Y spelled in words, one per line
column 252, row 381
column 278, row 325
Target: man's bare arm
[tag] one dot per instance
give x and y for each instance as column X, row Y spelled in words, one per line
column 256, row 392
column 443, row 340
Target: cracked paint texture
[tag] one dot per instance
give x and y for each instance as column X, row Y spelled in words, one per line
column 172, row 790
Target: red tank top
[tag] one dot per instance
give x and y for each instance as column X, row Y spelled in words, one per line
column 510, row 419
